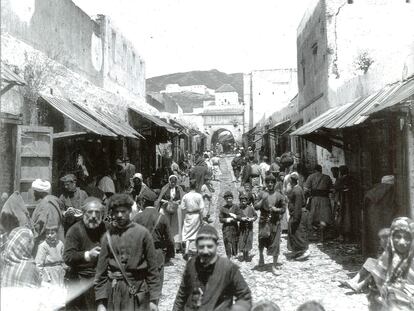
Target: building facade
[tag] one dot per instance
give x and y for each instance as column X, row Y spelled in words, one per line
column 267, row 91
column 345, row 51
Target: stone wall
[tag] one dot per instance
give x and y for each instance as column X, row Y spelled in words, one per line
column 65, row 83
column 94, row 49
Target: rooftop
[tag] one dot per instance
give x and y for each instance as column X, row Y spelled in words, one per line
column 226, row 88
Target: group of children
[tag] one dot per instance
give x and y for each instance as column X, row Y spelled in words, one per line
column 237, row 223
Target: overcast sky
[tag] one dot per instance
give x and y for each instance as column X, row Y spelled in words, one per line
column 228, row 35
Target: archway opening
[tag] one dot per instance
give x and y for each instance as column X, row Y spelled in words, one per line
column 223, row 137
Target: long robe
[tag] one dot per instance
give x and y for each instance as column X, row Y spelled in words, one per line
column 174, row 219
column 297, row 233
column 48, row 213
column 49, row 259
column 80, row 239
column 349, row 208
column 157, row 224
column 246, row 228
column 230, row 230
column 270, row 221
column 319, row 186
column 220, row 282
column 192, row 205
column 134, row 247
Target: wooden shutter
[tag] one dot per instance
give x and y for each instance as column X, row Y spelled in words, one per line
column 34, row 151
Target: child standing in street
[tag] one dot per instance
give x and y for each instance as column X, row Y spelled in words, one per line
column 229, row 216
column 246, row 226
column 49, row 259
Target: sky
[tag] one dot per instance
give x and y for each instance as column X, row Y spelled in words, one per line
column 227, row 35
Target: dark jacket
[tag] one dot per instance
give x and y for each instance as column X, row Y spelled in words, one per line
column 161, row 233
column 199, row 173
column 220, row 283
column 135, row 249
column 80, row 239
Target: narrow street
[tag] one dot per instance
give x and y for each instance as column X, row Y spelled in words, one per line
column 315, row 279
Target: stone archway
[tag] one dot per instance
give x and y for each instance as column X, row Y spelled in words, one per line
column 224, row 137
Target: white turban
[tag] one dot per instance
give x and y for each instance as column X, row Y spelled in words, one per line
column 41, row 185
column 137, row 175
column 388, row 179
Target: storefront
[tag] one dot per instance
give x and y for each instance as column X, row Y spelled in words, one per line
column 375, row 135
column 156, row 132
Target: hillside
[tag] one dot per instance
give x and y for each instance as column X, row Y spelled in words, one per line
column 213, row 79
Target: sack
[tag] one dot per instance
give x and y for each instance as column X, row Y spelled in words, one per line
column 171, row 207
column 264, row 232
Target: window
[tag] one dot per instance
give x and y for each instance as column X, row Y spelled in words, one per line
column 113, row 45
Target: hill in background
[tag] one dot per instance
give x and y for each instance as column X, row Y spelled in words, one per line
column 213, row 79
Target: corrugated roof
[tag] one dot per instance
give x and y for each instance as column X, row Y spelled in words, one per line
column 226, row 88
column 398, row 93
column 111, row 122
column 156, row 120
column 9, row 76
column 355, row 113
column 278, row 124
column 319, row 121
column 71, row 111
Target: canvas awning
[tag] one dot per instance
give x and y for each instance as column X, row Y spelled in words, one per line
column 119, row 127
column 155, row 120
column 74, row 113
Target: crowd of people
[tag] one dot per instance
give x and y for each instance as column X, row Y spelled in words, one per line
column 107, row 245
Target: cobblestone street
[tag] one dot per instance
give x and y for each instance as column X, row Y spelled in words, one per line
column 315, row 279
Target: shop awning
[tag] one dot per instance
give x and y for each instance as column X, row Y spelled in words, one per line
column 182, row 129
column 155, row 120
column 121, row 128
column 318, row 122
column 74, row 113
column 61, row 135
column 291, row 127
column 398, row 93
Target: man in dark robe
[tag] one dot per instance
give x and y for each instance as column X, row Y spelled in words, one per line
column 380, row 206
column 48, row 212
column 157, row 224
column 237, row 164
column 229, row 216
column 199, row 173
column 211, row 282
column 127, row 275
column 297, row 227
column 72, row 198
column 349, row 211
column 319, row 186
column 272, row 205
column 82, row 247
